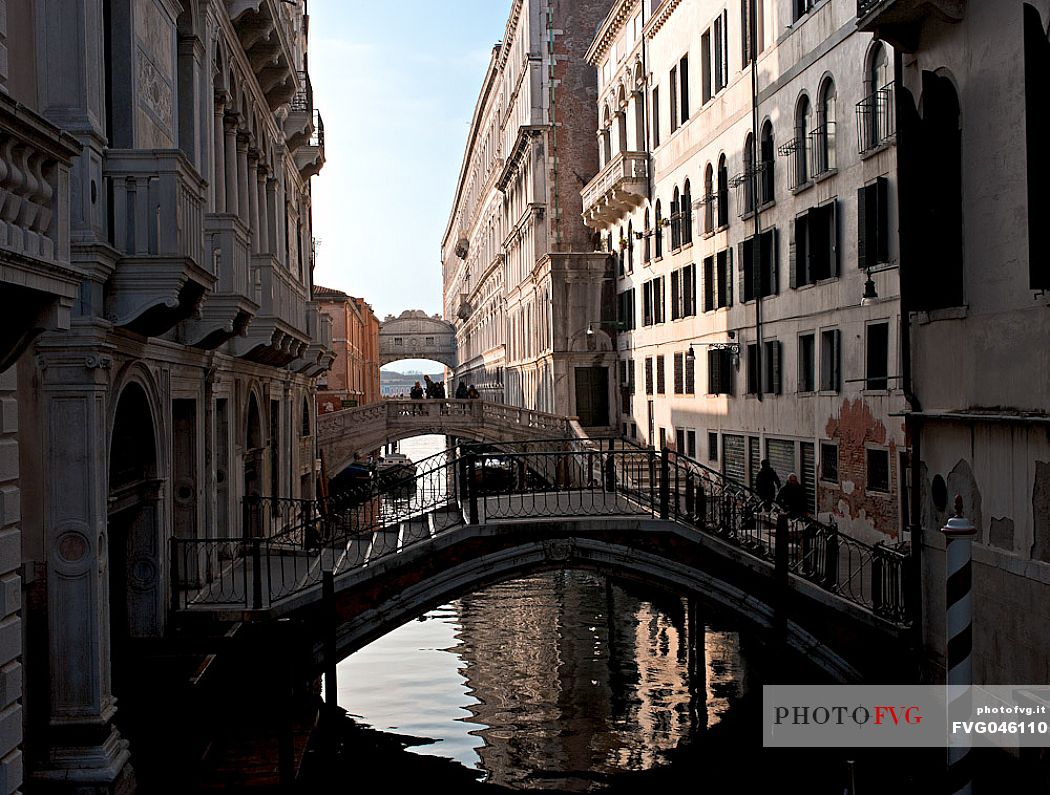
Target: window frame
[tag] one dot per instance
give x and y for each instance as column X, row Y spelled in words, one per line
column 869, row 449
column 806, row 379
column 822, row 477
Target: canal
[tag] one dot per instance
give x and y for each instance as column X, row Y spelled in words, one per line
column 560, row 680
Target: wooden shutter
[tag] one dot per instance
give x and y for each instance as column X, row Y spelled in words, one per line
column 833, row 231
column 675, row 295
column 774, row 362
column 709, row 283
column 660, row 374
column 729, row 276
column 795, row 234
column 882, row 221
column 649, row 375
column 862, row 229
column 774, row 262
column 679, row 374
column 744, row 248
column 690, row 375
column 714, row 373
column 683, row 77
column 836, row 362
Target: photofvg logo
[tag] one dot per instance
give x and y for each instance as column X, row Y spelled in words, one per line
column 905, row 716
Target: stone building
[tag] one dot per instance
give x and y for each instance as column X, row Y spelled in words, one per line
column 530, row 299
column 353, row 379
column 155, row 165
column 973, row 102
column 747, row 191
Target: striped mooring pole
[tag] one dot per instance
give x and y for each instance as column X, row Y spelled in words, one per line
column 958, row 536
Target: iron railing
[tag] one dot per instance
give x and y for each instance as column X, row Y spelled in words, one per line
column 287, row 544
column 876, row 119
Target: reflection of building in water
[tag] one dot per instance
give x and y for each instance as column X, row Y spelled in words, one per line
column 574, row 673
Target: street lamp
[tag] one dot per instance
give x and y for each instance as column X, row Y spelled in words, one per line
column 733, row 347
column 871, row 295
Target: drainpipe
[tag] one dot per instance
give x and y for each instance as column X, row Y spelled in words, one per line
column 756, row 248
column 556, row 220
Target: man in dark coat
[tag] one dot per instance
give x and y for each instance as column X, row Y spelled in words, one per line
column 461, row 391
column 792, row 497
column 416, row 392
column 767, row 482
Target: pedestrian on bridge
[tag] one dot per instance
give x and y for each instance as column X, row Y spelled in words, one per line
column 439, row 390
column 430, row 388
column 472, row 392
column 461, row 391
column 767, row 483
column 792, row 497
column 416, row 392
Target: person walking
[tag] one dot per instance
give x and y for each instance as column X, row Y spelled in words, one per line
column 439, row 390
column 461, row 391
column 472, row 392
column 792, row 497
column 429, row 388
column 767, row 482
column 417, row 392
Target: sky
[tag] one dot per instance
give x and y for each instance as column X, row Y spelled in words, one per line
column 395, row 82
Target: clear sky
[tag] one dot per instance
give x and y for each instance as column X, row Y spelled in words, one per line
column 395, row 82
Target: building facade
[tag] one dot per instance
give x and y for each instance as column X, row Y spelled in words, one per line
column 156, row 196
column 976, row 292
column 353, row 379
column 747, row 191
column 529, row 296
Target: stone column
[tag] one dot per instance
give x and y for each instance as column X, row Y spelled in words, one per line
column 271, row 217
column 85, row 752
column 253, row 199
column 264, row 219
column 218, row 171
column 230, row 157
column 243, row 139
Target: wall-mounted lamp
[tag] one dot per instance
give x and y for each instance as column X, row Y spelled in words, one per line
column 733, row 347
column 871, row 295
column 618, row 325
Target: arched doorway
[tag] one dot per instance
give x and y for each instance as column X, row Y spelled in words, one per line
column 253, row 461
column 134, row 529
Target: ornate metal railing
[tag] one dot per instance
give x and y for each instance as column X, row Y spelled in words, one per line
column 289, row 543
column 876, row 119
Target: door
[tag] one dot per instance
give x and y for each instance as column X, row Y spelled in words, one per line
column 592, row 396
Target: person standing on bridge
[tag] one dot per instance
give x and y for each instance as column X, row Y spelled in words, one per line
column 461, row 391
column 439, row 390
column 792, row 497
column 472, row 392
column 416, row 392
column 767, row 482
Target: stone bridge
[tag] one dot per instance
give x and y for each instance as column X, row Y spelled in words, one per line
column 416, row 335
column 342, row 434
column 474, row 517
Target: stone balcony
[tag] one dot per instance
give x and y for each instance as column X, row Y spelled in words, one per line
column 898, row 21
column 319, row 354
column 158, row 227
column 309, row 155
column 227, row 311
column 299, row 123
column 618, row 188
column 279, row 333
column 264, row 30
column 37, row 282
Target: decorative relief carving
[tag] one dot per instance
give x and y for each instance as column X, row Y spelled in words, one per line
column 155, row 92
column 98, row 361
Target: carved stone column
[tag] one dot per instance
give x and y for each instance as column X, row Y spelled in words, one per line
column 261, row 174
column 230, row 138
column 271, row 217
column 253, row 199
column 218, row 171
column 243, row 140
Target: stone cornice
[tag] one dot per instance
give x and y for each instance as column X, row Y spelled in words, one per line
column 663, row 13
column 609, row 30
column 508, row 33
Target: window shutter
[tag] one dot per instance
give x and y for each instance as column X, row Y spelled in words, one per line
column 745, row 27
column 675, row 314
column 660, row 374
column 834, row 234
column 793, row 252
column 775, row 363
column 729, row 276
column 690, row 374
column 649, row 375
column 630, row 374
column 714, row 373
column 882, row 222
column 691, row 289
column 679, row 373
column 862, row 229
column 836, row 363
column 683, row 77
column 743, row 249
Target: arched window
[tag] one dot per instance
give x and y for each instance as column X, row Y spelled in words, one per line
column 621, row 120
column 875, row 111
column 709, row 199
column 803, row 127
column 676, row 218
column 630, row 246
column 723, row 192
column 686, row 211
column 826, row 128
column 659, row 232
column 305, row 430
column 750, row 170
column 647, row 234
column 766, row 166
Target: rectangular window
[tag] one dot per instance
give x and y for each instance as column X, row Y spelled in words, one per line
column 830, row 361
column 690, row 444
column 647, row 303
column 649, row 375
column 873, row 237
column 673, row 97
column 814, row 246
column 676, row 295
column 709, row 283
column 705, row 64
column 656, row 117
column 660, row 375
column 829, row 462
column 806, row 382
column 767, row 282
column 878, row 470
column 752, row 368
column 663, row 438
column 679, row 373
column 689, row 290
column 626, row 310
column 690, row 374
column 429, row 341
column 801, row 8
column 878, row 350
column 719, row 372
column 772, row 381
column 712, row 446
column 683, row 82
column 679, row 440
column 745, row 33
column 722, row 279
column 658, row 299
column 721, row 32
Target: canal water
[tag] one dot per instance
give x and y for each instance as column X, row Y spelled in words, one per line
column 556, row 681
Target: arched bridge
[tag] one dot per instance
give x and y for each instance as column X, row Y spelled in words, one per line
column 341, row 434
column 472, row 517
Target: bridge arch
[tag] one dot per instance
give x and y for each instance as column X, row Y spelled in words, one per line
column 416, row 335
column 394, row 590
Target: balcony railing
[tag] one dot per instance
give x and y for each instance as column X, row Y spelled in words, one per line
column 617, row 188
column 876, row 119
column 822, row 145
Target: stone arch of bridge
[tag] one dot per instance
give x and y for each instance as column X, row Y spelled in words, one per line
column 416, row 335
column 846, row 644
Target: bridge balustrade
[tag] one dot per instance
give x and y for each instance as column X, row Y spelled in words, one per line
column 287, row 544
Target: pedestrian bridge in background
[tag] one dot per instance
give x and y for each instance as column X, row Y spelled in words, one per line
column 416, row 335
column 360, row 430
column 481, row 514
